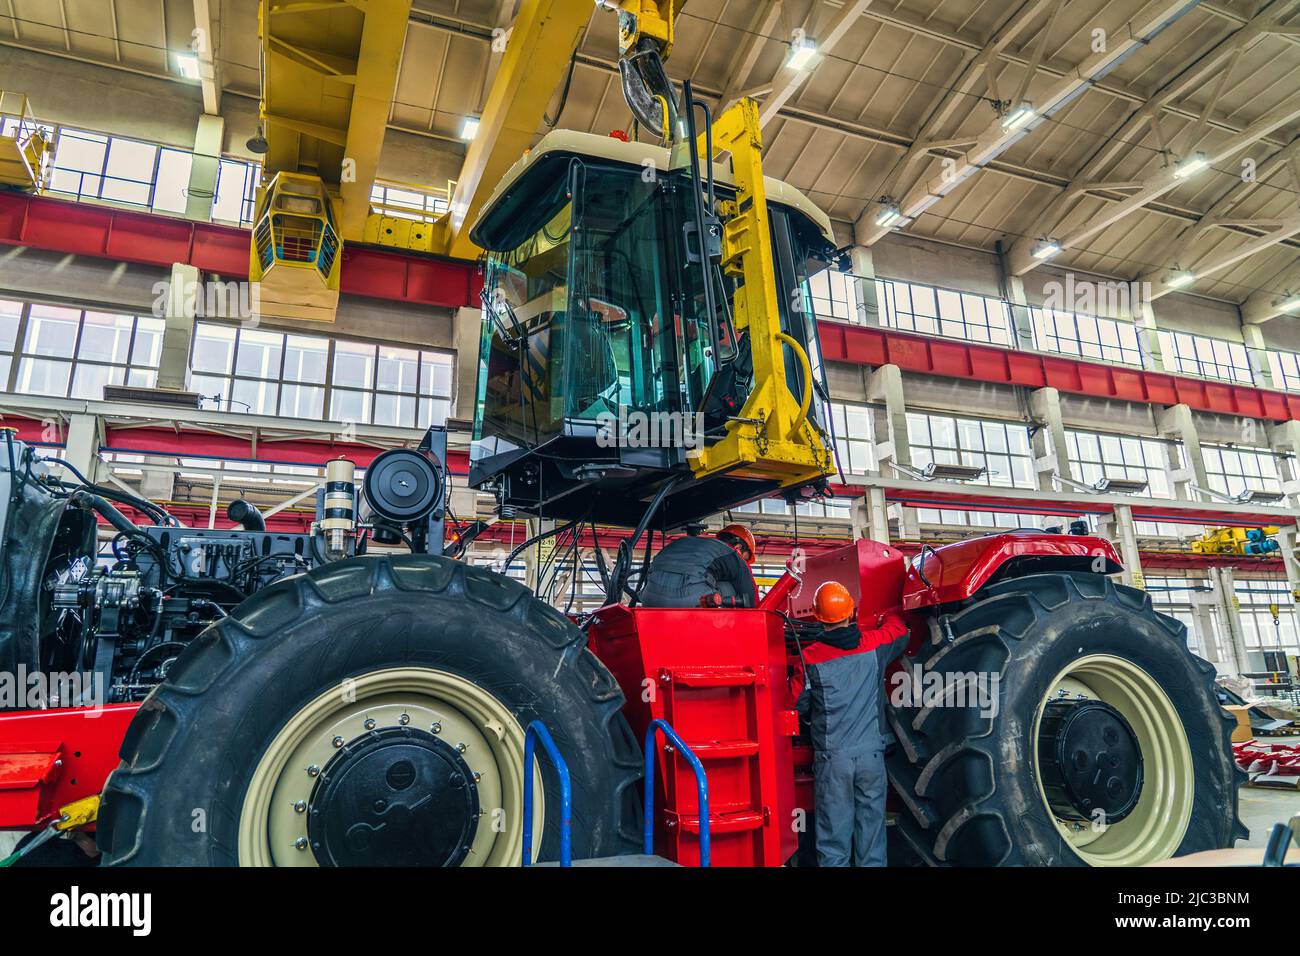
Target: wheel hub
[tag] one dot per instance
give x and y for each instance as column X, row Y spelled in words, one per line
column 1090, row 761
column 395, row 797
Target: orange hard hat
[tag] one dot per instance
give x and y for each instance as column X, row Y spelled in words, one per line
column 736, row 534
column 833, row 604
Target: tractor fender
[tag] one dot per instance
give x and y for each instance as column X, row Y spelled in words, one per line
column 955, row 572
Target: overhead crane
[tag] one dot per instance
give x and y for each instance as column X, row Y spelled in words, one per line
column 329, row 68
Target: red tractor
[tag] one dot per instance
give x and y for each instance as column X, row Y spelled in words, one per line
column 289, row 700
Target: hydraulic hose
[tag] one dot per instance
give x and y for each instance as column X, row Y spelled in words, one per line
column 806, row 400
column 114, row 517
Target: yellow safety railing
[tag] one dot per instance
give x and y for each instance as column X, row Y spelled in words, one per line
column 25, row 146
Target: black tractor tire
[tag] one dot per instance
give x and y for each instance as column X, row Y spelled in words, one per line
column 967, row 779
column 200, row 734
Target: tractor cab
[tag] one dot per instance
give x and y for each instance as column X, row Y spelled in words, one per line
column 611, row 354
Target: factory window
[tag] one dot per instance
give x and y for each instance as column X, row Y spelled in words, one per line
column 1268, row 615
column 16, row 127
column 235, row 197
column 837, row 508
column 1002, row 448
column 71, row 353
column 855, row 450
column 388, row 385
column 961, row 315
column 994, row 520
column 1206, row 357
column 116, row 169
column 11, row 317
column 273, row 373
column 1087, row 336
column 1094, row 456
column 1174, row 597
column 407, row 202
column 1230, row 471
column 1286, row 370
column 835, row 296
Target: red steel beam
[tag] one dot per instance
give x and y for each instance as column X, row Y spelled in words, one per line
column 950, row 358
column 83, row 229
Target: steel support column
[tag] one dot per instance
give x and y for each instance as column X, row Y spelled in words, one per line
column 82, row 444
column 1256, row 351
column 1187, row 469
column 1118, row 527
column 1051, row 450
column 178, row 332
column 889, row 429
column 209, row 140
column 1225, row 590
column 864, row 271
column 466, row 324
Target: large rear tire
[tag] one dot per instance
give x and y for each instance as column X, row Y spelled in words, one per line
column 372, row 712
column 981, row 785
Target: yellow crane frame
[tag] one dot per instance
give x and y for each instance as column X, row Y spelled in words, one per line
column 772, row 437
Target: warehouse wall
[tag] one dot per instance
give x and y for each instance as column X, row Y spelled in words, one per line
column 77, row 280
column 97, row 98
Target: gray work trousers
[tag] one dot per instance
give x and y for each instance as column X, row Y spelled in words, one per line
column 850, row 792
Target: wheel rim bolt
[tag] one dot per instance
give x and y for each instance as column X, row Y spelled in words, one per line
column 370, row 723
column 436, row 728
column 300, row 843
column 313, row 771
column 337, row 741
column 300, row 806
column 462, row 747
column 404, row 719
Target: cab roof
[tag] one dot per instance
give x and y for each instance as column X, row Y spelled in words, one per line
column 564, row 143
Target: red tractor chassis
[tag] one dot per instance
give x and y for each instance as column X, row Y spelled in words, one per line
column 719, row 677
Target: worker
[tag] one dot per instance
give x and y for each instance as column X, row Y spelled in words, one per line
column 697, row 571
column 840, row 692
column 739, row 539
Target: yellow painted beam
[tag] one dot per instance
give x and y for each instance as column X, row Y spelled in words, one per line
column 543, row 39
column 382, row 41
column 330, row 73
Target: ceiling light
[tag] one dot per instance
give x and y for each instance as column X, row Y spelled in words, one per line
column 257, row 143
column 1046, row 249
column 1018, row 117
column 890, row 215
column 1190, row 166
column 469, row 128
column 936, row 472
column 1179, row 279
column 1121, row 486
column 187, row 65
column 1258, row 496
column 802, row 55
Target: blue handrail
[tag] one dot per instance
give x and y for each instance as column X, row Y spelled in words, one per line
column 537, row 731
column 701, row 785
